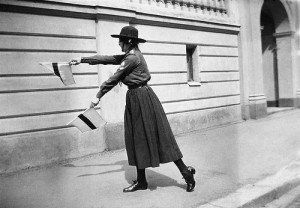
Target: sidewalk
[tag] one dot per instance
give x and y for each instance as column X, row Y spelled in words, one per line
column 226, row 159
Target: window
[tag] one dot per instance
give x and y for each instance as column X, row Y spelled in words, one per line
column 192, row 55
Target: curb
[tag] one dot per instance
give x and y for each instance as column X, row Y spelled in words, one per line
column 289, row 199
column 262, row 192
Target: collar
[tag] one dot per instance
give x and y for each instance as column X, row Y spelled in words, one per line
column 130, row 51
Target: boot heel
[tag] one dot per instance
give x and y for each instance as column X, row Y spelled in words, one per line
column 189, row 178
column 192, row 170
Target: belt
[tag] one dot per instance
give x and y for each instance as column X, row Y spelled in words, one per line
column 131, row 87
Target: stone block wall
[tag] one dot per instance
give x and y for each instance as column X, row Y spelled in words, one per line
column 36, row 106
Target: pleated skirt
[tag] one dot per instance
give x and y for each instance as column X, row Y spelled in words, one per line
column 149, row 138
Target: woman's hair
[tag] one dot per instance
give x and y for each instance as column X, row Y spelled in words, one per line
column 133, row 43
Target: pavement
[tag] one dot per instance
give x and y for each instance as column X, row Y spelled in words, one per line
column 246, row 164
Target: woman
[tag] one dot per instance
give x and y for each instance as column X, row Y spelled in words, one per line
column 148, row 136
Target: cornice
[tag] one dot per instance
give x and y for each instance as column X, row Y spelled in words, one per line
column 133, row 14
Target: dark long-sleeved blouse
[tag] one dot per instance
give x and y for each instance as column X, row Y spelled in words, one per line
column 133, row 69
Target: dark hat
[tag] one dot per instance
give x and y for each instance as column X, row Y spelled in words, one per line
column 131, row 33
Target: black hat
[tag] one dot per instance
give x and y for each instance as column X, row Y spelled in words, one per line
column 131, row 33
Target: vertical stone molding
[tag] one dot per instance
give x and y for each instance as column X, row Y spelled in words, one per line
column 286, row 72
column 257, row 106
column 298, row 98
column 251, row 67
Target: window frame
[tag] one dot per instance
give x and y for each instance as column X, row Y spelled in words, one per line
column 193, row 71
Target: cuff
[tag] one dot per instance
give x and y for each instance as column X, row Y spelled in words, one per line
column 84, row 60
column 96, row 100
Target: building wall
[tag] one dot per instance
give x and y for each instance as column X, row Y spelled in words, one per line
column 218, row 65
column 36, row 106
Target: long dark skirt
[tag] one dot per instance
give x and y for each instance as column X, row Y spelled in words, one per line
column 149, row 139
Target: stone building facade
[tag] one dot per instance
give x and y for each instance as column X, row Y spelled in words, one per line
column 212, row 62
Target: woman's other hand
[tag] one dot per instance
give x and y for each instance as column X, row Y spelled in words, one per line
column 94, row 102
column 75, row 61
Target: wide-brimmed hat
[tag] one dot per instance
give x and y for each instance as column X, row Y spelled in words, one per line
column 129, row 32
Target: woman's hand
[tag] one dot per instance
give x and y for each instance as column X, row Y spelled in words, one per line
column 75, row 61
column 92, row 105
column 94, row 102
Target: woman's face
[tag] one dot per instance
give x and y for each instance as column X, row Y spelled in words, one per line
column 124, row 46
column 121, row 44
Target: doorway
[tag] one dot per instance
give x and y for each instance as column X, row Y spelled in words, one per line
column 276, row 53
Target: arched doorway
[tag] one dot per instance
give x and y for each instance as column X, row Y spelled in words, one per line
column 276, row 39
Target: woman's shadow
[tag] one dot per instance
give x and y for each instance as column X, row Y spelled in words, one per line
column 154, row 179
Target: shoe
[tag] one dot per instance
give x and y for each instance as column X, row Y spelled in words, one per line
column 136, row 186
column 188, row 175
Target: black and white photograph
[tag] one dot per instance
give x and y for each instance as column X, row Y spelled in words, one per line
column 150, row 103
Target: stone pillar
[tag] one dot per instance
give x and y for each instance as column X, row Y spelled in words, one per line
column 295, row 66
column 112, row 104
column 297, row 53
column 286, row 69
column 252, row 90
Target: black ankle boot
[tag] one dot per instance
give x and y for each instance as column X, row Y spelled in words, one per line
column 188, row 176
column 136, row 186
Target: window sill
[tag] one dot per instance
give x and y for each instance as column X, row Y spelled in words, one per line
column 194, row 84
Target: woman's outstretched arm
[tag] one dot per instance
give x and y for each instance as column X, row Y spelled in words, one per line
column 99, row 59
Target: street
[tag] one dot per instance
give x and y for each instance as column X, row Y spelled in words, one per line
column 226, row 158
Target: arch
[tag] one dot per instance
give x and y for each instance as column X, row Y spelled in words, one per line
column 286, row 4
column 276, row 36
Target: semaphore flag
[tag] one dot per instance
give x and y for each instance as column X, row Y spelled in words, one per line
column 61, row 69
column 87, row 121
